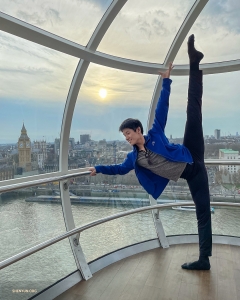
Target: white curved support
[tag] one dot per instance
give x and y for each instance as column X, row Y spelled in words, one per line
column 78, row 77
column 177, row 42
column 29, row 32
column 184, row 29
column 179, row 38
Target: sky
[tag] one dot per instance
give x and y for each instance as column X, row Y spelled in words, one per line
column 35, row 80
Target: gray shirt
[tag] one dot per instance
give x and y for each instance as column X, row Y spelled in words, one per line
column 160, row 165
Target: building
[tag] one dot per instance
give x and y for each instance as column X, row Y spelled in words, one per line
column 24, row 151
column 6, row 172
column 217, row 134
column 84, row 138
column 56, row 146
column 229, row 154
column 41, row 146
column 71, row 143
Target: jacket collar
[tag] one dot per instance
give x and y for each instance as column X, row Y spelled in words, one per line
column 146, row 137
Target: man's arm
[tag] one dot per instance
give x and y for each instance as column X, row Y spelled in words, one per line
column 161, row 111
column 120, row 169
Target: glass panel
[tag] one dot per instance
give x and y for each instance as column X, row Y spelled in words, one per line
column 106, row 98
column 177, row 222
column 144, row 30
column 225, row 221
column 36, row 272
column 217, row 33
column 220, row 111
column 35, row 83
column 74, row 20
column 220, row 124
column 95, row 128
column 116, row 234
column 28, row 217
column 101, row 196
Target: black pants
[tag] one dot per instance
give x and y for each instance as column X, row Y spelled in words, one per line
column 196, row 174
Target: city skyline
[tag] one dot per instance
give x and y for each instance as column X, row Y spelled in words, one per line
column 35, row 80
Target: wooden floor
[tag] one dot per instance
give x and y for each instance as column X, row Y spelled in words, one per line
column 157, row 274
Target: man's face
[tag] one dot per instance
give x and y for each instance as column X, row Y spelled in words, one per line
column 132, row 136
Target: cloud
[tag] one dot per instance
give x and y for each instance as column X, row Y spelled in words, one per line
column 18, row 45
column 144, row 32
column 32, row 18
column 103, row 4
column 27, row 70
column 224, row 13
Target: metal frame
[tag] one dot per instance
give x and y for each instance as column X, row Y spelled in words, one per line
column 26, row 184
column 31, row 33
column 178, row 40
column 88, row 54
column 80, row 72
column 13, row 184
column 158, row 224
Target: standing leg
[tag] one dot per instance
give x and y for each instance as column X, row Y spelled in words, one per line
column 196, row 174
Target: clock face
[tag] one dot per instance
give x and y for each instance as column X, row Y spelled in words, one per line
column 21, row 145
column 28, row 144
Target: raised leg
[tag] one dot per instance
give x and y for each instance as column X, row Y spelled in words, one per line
column 196, row 174
column 193, row 135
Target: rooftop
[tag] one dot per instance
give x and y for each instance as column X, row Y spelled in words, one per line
column 229, row 151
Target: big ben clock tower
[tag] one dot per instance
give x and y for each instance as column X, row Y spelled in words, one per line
column 24, row 150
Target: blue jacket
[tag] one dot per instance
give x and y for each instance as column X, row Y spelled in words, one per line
column 157, row 142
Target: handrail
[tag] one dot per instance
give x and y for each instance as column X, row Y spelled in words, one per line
column 30, row 251
column 222, row 162
column 22, row 185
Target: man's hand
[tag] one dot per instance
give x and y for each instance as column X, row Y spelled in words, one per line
column 93, row 171
column 167, row 73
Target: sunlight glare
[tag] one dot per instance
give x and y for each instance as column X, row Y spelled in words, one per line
column 102, row 93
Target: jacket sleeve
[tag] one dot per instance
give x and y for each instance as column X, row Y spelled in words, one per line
column 120, row 169
column 161, row 111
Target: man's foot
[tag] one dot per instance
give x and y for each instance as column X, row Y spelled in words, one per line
column 194, row 55
column 197, row 265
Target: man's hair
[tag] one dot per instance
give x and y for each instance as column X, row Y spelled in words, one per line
column 131, row 124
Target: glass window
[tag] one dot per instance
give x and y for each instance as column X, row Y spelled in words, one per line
column 74, row 20
column 224, row 116
column 217, row 33
column 28, row 217
column 29, row 276
column 34, row 86
column 144, row 30
column 107, row 97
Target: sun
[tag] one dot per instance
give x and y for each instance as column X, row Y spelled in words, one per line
column 102, row 93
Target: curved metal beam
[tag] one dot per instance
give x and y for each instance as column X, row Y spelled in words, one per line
column 184, row 29
column 178, row 40
column 78, row 77
column 80, row 72
column 29, row 32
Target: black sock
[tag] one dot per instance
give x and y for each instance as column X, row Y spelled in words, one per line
column 203, row 258
column 201, row 264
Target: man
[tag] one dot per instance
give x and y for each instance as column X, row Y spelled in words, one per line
column 156, row 161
